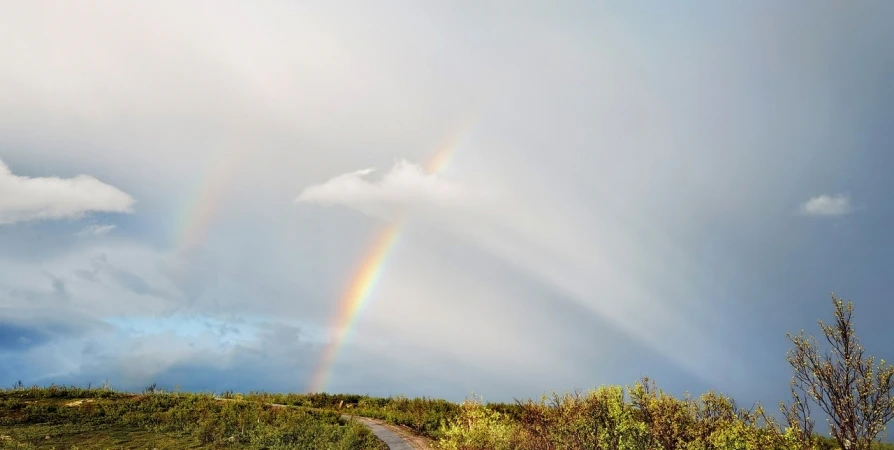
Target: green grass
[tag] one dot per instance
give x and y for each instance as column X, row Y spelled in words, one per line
column 74, row 418
column 425, row 416
column 635, row 417
column 85, row 437
column 639, row 418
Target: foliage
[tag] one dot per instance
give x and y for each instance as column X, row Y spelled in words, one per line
column 640, row 417
column 852, row 390
column 478, row 427
column 201, row 417
column 425, row 416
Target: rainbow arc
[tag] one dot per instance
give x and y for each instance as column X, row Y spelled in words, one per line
column 366, row 278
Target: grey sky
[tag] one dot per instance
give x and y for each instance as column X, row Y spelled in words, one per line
column 643, row 189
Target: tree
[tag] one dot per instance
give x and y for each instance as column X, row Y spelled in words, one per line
column 852, row 390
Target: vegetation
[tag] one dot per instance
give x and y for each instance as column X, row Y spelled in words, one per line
column 848, row 387
column 425, row 416
column 852, row 390
column 71, row 417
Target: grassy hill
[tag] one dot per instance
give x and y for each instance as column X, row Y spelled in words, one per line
column 639, row 417
column 72, row 418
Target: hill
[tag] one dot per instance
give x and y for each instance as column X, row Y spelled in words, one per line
column 72, row 418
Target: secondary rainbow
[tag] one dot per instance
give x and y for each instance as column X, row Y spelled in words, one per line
column 201, row 208
column 370, row 272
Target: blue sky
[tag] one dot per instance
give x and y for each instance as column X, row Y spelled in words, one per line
column 644, row 189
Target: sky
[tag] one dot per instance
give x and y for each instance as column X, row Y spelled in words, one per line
column 440, row 198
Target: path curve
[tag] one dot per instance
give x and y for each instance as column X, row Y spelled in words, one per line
column 392, row 439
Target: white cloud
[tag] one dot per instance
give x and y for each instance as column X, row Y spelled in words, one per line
column 96, row 230
column 827, row 205
column 405, row 186
column 24, row 198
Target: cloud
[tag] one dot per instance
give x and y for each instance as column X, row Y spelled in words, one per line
column 24, row 198
column 39, row 321
column 138, row 284
column 827, row 205
column 18, row 332
column 96, row 230
column 15, row 336
column 405, row 186
column 271, row 356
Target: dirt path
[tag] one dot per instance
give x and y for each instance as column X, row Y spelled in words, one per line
column 396, row 437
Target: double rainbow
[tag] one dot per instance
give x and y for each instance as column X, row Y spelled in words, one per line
column 191, row 232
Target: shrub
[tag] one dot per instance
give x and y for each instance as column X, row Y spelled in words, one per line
column 478, row 427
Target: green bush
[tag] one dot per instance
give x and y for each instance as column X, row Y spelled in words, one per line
column 478, row 427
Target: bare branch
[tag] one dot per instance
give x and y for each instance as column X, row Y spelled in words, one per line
column 853, row 392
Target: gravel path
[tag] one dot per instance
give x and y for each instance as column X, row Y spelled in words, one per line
column 392, row 439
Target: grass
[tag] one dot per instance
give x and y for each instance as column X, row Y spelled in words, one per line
column 611, row 417
column 80, row 437
column 636, row 417
column 424, row 416
column 74, row 418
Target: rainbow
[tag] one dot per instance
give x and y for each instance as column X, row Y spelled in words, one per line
column 363, row 283
column 201, row 209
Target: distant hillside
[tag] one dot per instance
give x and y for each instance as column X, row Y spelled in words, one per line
column 73, row 418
